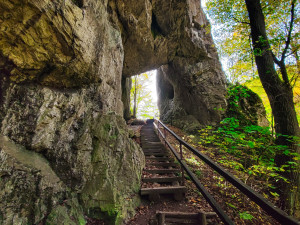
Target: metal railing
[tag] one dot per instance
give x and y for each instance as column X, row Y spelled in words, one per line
column 276, row 213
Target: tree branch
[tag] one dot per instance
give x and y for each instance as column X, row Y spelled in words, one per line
column 288, row 41
column 236, row 20
column 276, row 60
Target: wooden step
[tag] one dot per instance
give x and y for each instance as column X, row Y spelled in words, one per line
column 156, row 153
column 160, row 159
column 166, row 153
column 154, row 193
column 162, row 171
column 161, row 179
column 162, row 164
column 152, row 145
column 155, row 150
column 182, row 218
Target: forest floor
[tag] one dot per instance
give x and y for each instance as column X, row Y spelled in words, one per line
column 239, row 208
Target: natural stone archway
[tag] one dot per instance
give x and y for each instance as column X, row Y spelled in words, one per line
column 61, row 70
column 176, row 36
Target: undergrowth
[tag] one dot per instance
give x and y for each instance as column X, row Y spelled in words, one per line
column 250, row 149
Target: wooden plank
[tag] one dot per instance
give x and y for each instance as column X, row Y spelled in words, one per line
column 180, row 215
column 158, row 158
column 161, row 219
column 154, row 147
column 161, row 179
column 181, row 220
column 162, row 164
column 163, row 190
column 186, row 218
column 161, row 171
column 155, row 154
column 155, row 150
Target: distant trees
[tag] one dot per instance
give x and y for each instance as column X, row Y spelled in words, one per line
column 142, row 104
column 273, row 44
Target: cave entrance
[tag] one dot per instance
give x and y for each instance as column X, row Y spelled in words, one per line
column 143, row 95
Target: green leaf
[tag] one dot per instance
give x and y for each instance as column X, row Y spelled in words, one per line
column 246, row 216
column 231, row 205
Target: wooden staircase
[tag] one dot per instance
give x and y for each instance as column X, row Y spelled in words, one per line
column 161, row 175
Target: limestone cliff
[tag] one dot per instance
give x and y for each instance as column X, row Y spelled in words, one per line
column 63, row 71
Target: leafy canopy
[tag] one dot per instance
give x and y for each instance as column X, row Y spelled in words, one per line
column 232, row 35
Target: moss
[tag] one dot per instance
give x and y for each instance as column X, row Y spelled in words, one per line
column 244, row 105
column 69, row 213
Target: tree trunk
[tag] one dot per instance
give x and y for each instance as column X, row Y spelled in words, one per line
column 135, row 93
column 280, row 95
column 126, row 87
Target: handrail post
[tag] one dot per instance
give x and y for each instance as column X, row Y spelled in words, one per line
column 180, row 151
column 158, row 129
column 182, row 169
column 165, row 134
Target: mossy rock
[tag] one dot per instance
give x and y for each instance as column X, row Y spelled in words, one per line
column 246, row 106
column 69, row 213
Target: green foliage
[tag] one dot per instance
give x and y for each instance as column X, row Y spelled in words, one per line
column 233, row 39
column 250, row 149
column 236, row 92
column 146, row 106
column 246, row 216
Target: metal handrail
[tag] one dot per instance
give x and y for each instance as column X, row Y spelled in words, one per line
column 276, row 213
column 223, row 216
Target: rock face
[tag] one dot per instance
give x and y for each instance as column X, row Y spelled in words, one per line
column 61, row 90
column 191, row 87
column 174, row 36
column 89, row 153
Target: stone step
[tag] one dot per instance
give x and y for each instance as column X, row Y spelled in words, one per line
column 162, row 171
column 161, row 179
column 154, row 193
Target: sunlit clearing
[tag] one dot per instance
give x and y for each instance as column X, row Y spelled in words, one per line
column 143, row 95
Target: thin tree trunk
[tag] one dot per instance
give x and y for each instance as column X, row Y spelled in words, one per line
column 134, row 101
column 280, row 95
